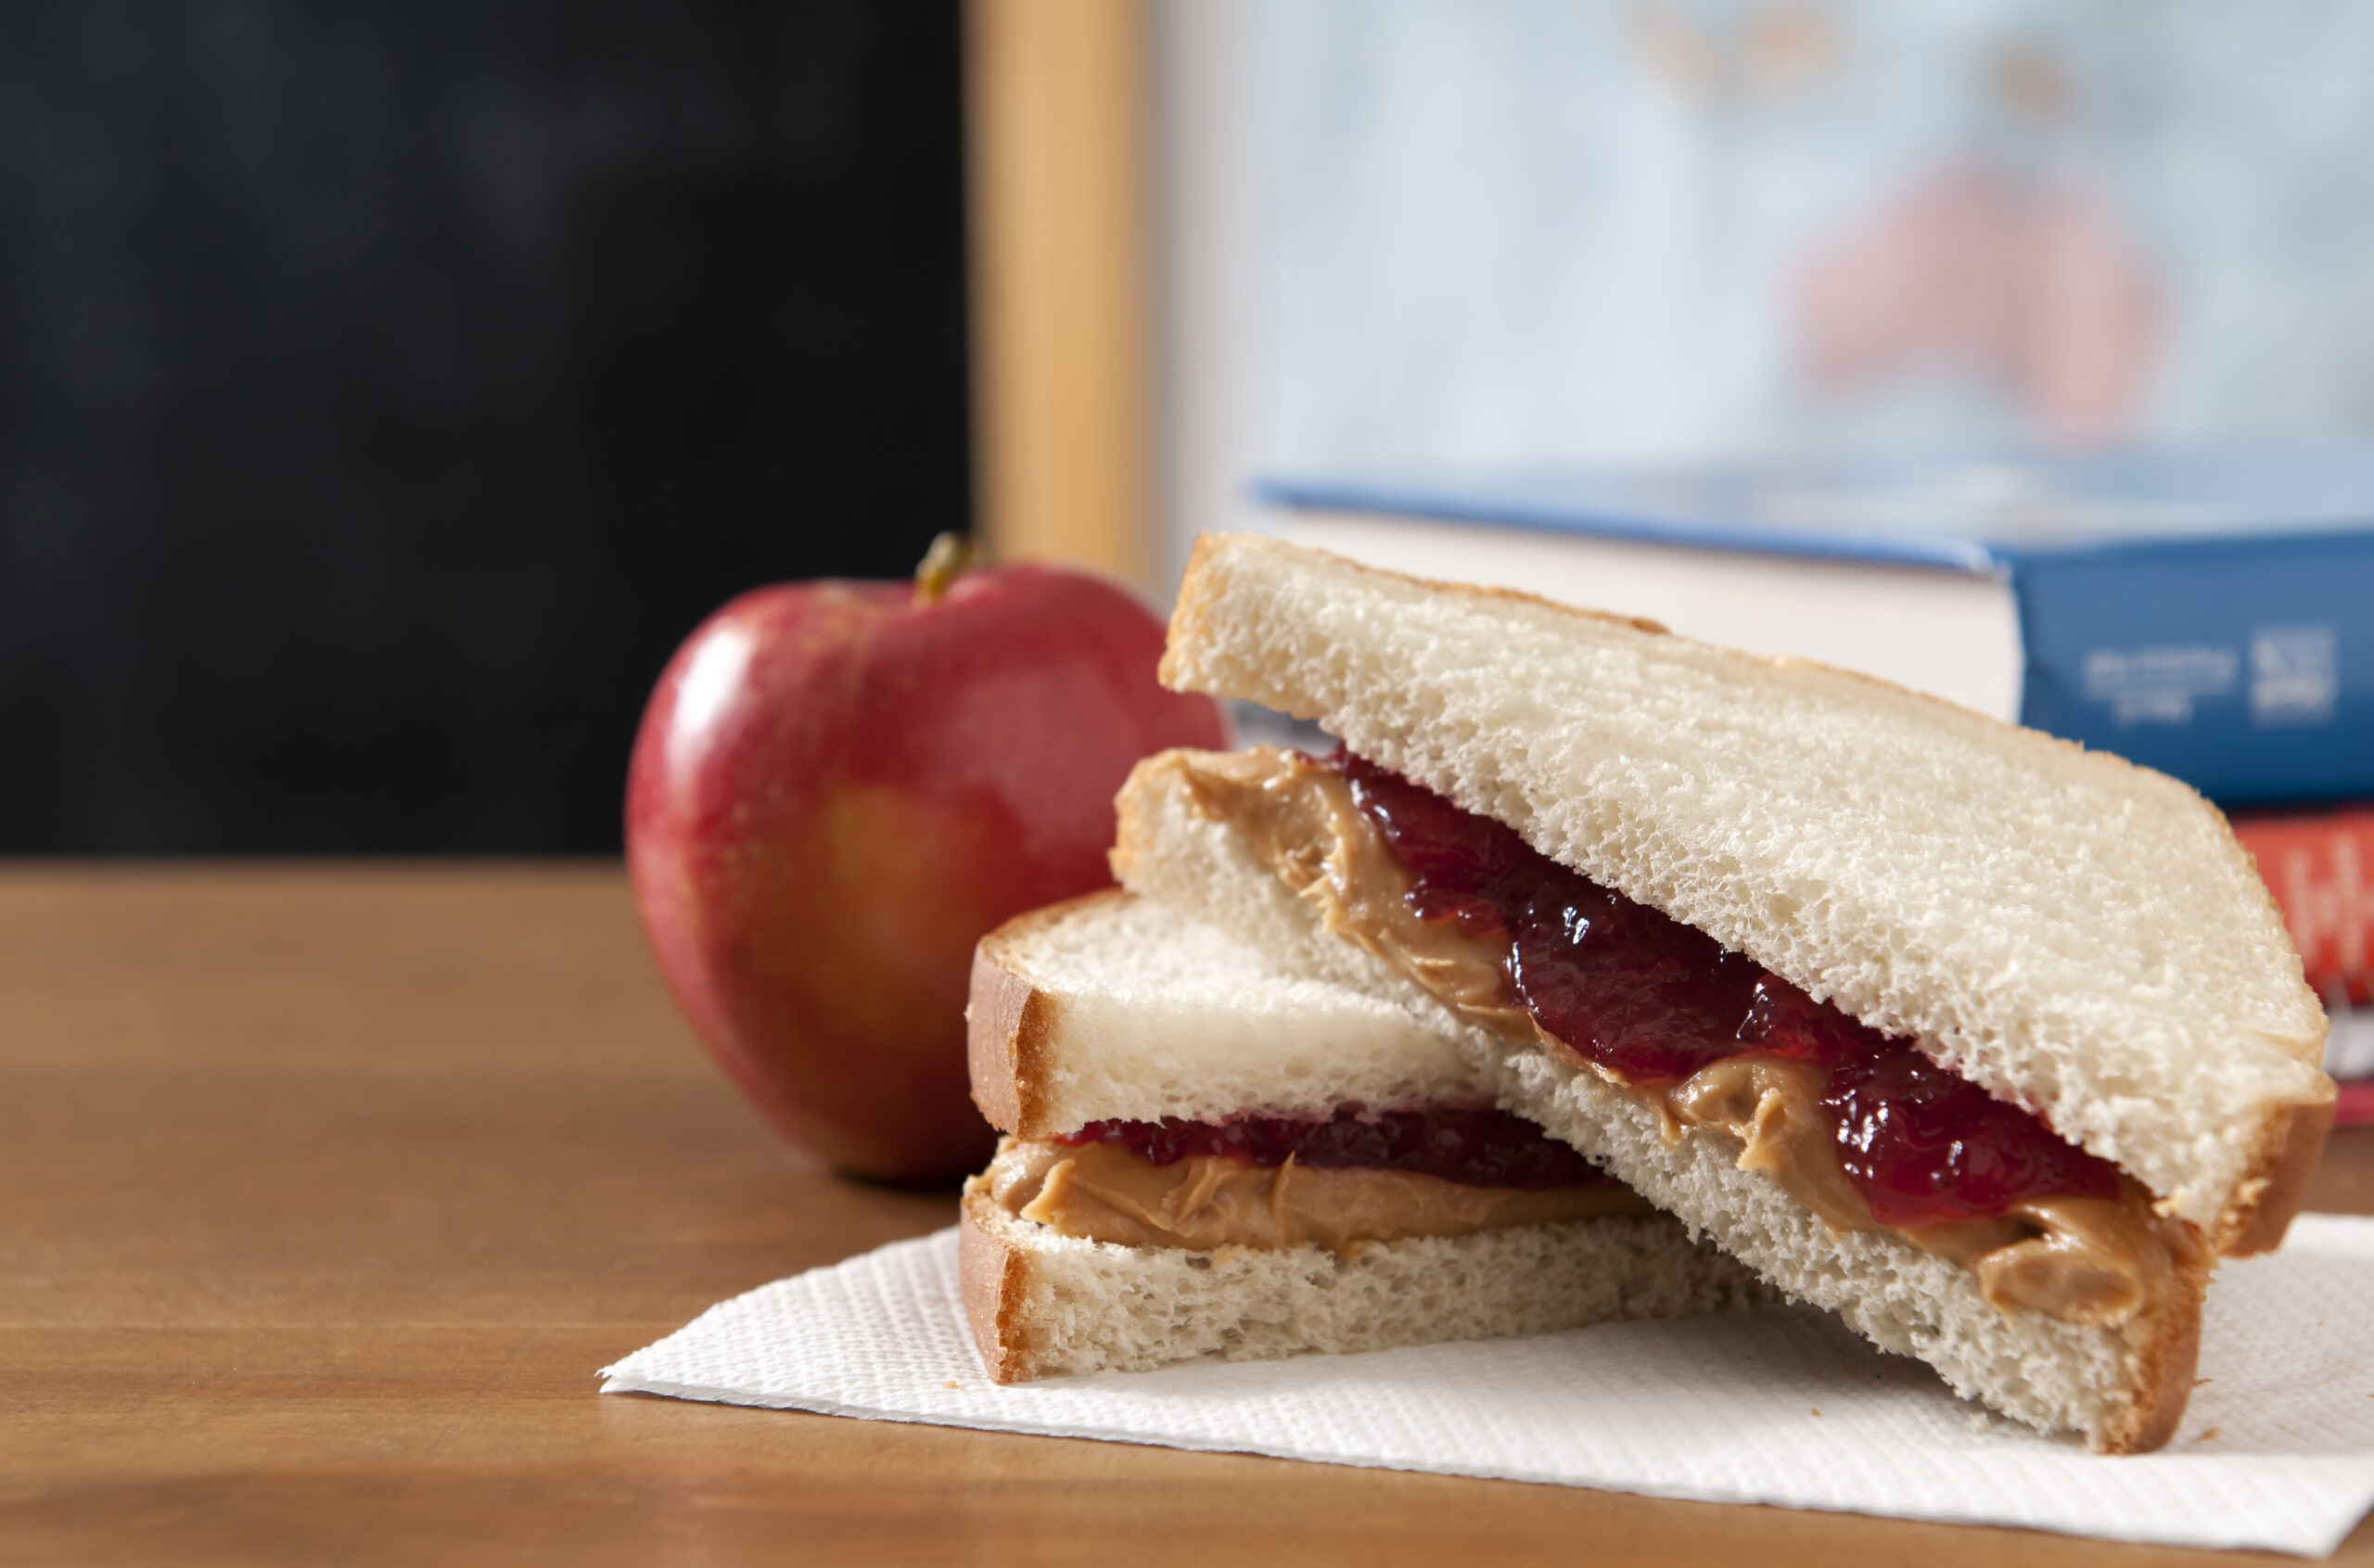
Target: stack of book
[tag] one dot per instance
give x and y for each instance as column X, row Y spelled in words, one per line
column 2204, row 613
column 2316, row 864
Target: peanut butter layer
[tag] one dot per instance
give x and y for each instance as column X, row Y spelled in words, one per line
column 2094, row 1261
column 1103, row 1192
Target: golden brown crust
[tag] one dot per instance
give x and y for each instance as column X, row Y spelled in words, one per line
column 2270, row 1193
column 1008, row 1022
column 2261, row 1206
column 1187, row 617
column 991, row 1275
column 993, row 1035
column 2289, row 1141
column 2168, row 1354
column 1135, row 839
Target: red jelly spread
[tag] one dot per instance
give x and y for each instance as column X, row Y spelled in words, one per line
column 1653, row 1001
column 1474, row 1148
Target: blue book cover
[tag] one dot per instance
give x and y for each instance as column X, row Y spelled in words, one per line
column 2205, row 613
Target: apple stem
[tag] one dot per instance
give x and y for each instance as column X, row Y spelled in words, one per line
column 946, row 561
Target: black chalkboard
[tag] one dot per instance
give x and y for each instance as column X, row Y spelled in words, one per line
column 386, row 388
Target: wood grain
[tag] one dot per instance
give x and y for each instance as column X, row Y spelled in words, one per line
column 1057, row 172
column 324, row 1191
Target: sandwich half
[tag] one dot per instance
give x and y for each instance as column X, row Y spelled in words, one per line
column 1987, row 1043
column 1206, row 1155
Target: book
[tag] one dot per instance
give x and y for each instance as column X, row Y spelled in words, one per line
column 2195, row 612
column 2200, row 612
column 2319, row 866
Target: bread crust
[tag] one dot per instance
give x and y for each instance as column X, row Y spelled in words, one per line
column 2270, row 1194
column 1010, row 1023
column 1134, row 841
column 991, row 1276
column 2284, row 1151
column 2162, row 1379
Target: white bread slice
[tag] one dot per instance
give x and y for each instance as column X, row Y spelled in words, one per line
column 2122, row 1387
column 1043, row 1304
column 2081, row 937
column 1110, row 1008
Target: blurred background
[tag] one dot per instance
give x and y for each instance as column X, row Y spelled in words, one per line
column 385, row 389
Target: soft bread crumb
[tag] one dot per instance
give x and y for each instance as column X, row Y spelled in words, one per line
column 1068, row 1306
column 2081, row 937
column 1137, row 1011
column 2044, row 1373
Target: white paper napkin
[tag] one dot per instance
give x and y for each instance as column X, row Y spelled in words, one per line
column 1785, row 1406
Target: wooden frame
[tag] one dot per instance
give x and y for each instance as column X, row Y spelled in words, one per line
column 1057, row 144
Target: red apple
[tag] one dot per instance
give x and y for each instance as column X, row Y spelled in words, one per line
column 838, row 787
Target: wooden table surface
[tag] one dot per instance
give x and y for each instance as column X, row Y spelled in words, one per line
column 324, row 1192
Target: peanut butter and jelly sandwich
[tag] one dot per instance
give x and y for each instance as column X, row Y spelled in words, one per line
column 1989, row 1043
column 1206, row 1155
